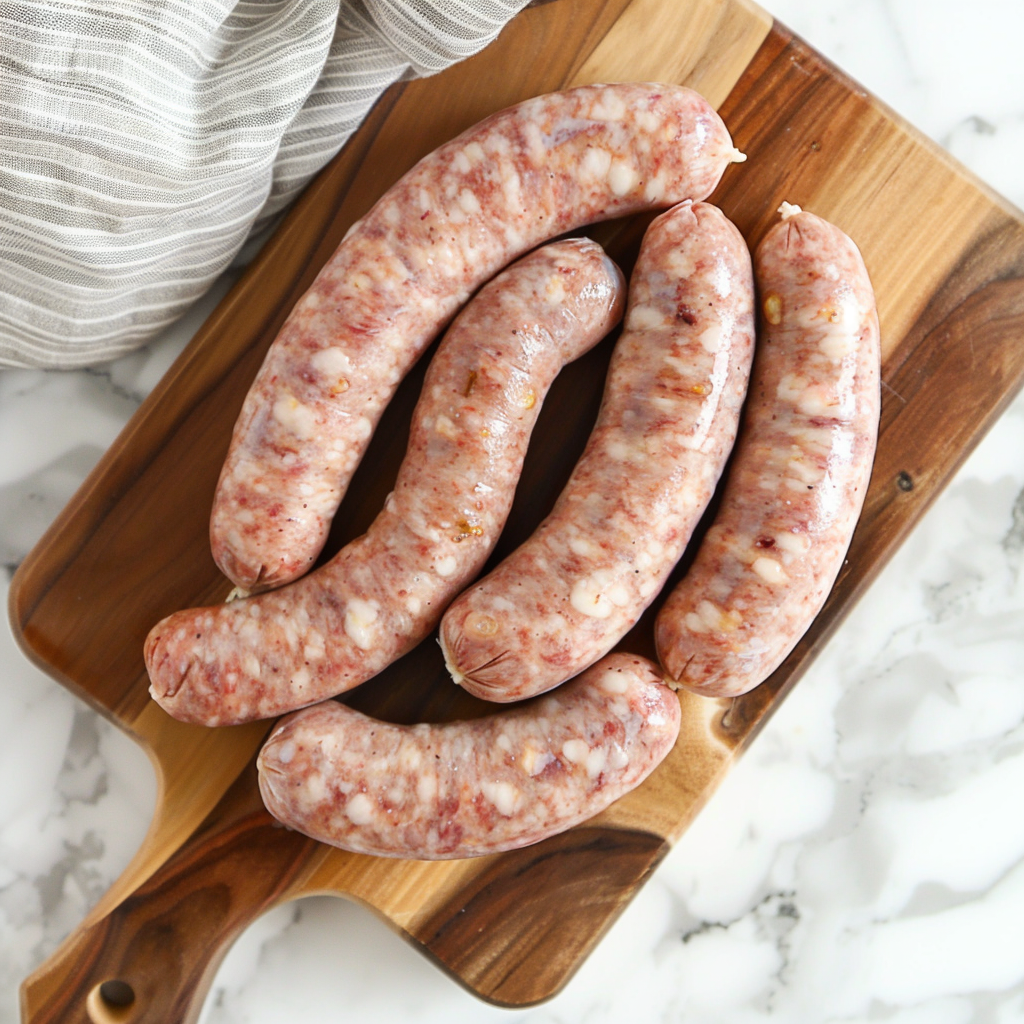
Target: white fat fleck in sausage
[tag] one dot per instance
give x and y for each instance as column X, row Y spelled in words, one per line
column 524, row 175
column 465, row 789
column 667, row 423
column 798, row 480
column 275, row 652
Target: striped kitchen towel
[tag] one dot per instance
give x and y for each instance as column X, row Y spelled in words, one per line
column 144, row 140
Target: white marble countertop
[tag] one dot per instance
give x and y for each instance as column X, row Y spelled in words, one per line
column 865, row 861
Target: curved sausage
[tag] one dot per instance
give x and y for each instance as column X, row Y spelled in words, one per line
column 376, row 599
column 519, row 177
column 667, row 423
column 465, row 789
column 801, row 470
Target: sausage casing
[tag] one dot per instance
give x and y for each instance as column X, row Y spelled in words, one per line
column 801, row 469
column 464, row 789
column 380, row 595
column 667, row 422
column 519, row 177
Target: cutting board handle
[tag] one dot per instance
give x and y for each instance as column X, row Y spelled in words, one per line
column 153, row 958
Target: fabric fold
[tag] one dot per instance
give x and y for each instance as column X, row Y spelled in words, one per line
column 143, row 143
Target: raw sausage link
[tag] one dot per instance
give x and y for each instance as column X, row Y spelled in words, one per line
column 519, row 177
column 464, row 789
column 667, row 423
column 275, row 652
column 798, row 481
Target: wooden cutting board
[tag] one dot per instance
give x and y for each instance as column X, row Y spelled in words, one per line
column 946, row 256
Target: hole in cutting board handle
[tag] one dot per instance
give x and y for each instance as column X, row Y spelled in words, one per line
column 111, row 1002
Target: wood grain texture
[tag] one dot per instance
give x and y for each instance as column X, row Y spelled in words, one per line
column 486, row 934
column 947, row 260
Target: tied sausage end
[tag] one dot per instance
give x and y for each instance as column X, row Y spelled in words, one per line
column 479, row 665
column 449, row 662
column 168, row 665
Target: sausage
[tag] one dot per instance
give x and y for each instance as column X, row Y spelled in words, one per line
column 520, row 177
column 798, row 480
column 464, row 789
column 384, row 592
column 667, row 422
